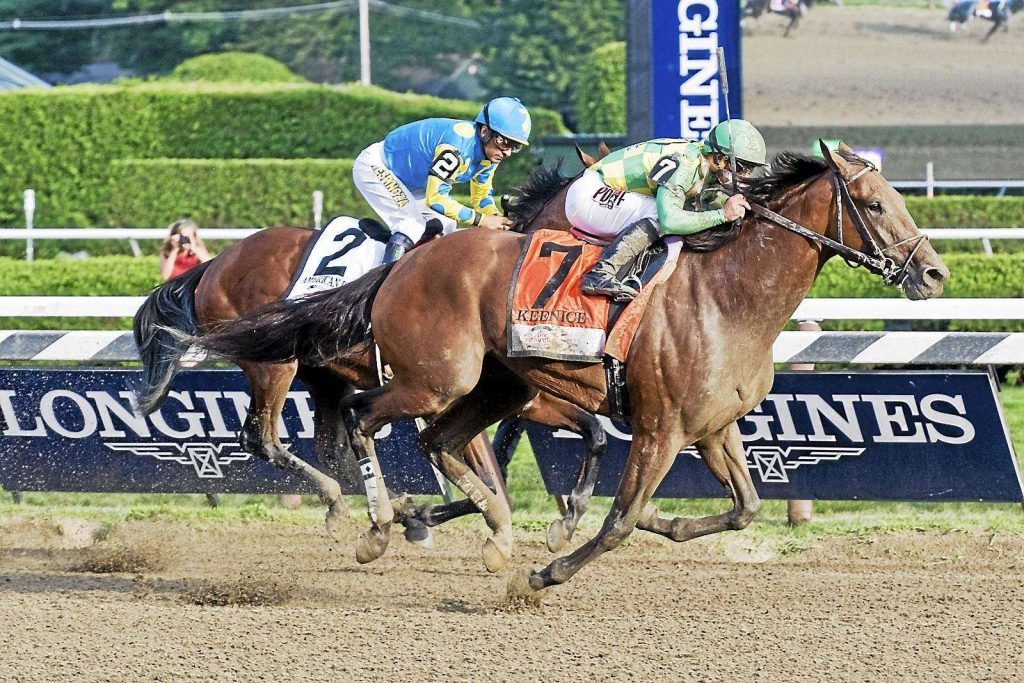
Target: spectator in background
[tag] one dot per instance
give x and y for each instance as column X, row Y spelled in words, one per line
column 182, row 250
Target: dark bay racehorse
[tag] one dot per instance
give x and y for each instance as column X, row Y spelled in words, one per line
column 256, row 271
column 701, row 359
column 792, row 10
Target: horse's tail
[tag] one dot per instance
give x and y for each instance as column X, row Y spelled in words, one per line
column 169, row 309
column 314, row 329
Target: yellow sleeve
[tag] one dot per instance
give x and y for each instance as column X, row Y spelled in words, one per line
column 481, row 192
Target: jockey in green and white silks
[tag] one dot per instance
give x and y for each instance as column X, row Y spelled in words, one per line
column 660, row 187
column 408, row 176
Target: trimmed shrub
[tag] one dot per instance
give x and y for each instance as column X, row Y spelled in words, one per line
column 600, row 90
column 62, row 142
column 235, row 67
column 967, row 211
column 232, row 192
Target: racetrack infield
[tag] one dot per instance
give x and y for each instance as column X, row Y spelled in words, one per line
column 911, row 605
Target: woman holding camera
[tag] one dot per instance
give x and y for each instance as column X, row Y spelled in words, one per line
column 182, row 250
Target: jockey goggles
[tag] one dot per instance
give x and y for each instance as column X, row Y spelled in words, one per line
column 505, row 144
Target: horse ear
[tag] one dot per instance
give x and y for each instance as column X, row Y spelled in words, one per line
column 834, row 160
column 843, row 147
column 585, row 158
column 603, row 149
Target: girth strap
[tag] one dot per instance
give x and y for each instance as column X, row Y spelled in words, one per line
column 618, row 394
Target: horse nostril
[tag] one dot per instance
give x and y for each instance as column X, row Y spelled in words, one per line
column 936, row 275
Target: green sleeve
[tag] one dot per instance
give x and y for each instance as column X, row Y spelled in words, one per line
column 676, row 220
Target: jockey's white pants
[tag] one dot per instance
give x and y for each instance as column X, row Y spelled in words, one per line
column 401, row 209
column 599, row 213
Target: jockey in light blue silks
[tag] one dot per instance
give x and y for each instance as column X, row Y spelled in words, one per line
column 407, row 178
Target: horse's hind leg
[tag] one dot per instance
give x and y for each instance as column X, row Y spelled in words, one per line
column 724, row 456
column 554, row 412
column 269, row 384
column 497, row 395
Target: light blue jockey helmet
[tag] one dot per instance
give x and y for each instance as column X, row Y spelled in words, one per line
column 507, row 116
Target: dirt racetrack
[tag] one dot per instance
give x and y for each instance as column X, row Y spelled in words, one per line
column 881, row 66
column 903, row 606
column 909, row 606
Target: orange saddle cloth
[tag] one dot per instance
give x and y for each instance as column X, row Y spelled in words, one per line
column 550, row 317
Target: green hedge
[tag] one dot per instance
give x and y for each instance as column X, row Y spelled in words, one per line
column 232, row 192
column 235, row 67
column 600, row 90
column 62, row 142
column 967, row 211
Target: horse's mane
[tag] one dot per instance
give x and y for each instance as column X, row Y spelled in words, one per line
column 527, row 200
column 786, row 170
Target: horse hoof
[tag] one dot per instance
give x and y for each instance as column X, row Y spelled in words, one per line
column 557, row 535
column 336, row 514
column 518, row 592
column 418, row 533
column 370, row 545
column 495, row 558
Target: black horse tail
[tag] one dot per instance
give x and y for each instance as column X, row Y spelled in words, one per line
column 315, row 329
column 169, row 307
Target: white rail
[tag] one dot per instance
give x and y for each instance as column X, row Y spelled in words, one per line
column 810, row 309
column 116, row 233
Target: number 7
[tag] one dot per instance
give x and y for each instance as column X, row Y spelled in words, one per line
column 552, row 285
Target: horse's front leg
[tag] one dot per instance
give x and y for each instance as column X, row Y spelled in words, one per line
column 269, row 383
column 555, row 412
column 725, row 457
column 649, row 460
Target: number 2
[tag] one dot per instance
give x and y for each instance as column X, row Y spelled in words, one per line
column 552, row 285
column 445, row 165
column 326, row 266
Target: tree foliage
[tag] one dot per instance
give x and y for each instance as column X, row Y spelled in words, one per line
column 535, row 48
column 601, row 90
column 532, row 49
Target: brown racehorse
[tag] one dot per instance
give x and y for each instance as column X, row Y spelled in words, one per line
column 701, row 358
column 257, row 271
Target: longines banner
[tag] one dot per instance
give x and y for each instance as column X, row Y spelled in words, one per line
column 673, row 82
column 74, row 430
column 900, row 436
column 840, row 436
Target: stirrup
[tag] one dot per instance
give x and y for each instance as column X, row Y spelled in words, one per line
column 607, row 286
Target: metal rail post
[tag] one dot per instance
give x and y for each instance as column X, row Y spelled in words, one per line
column 801, row 511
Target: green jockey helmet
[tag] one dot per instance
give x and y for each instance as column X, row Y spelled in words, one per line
column 739, row 136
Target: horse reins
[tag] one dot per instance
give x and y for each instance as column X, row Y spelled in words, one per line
column 876, row 261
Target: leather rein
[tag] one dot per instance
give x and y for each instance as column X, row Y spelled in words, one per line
column 873, row 260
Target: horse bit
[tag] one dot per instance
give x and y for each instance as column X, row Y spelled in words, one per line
column 876, row 261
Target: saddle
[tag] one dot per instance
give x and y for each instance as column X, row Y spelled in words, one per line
column 550, row 317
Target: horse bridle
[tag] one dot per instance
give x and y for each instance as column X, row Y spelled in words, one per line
column 875, row 261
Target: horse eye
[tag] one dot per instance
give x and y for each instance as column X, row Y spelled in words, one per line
column 875, row 207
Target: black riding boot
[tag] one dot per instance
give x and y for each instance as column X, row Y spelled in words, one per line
column 602, row 278
column 397, row 245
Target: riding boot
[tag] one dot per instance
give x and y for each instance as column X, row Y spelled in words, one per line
column 602, row 278
column 397, row 246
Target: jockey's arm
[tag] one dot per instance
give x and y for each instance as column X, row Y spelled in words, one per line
column 673, row 215
column 481, row 193
column 445, row 166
